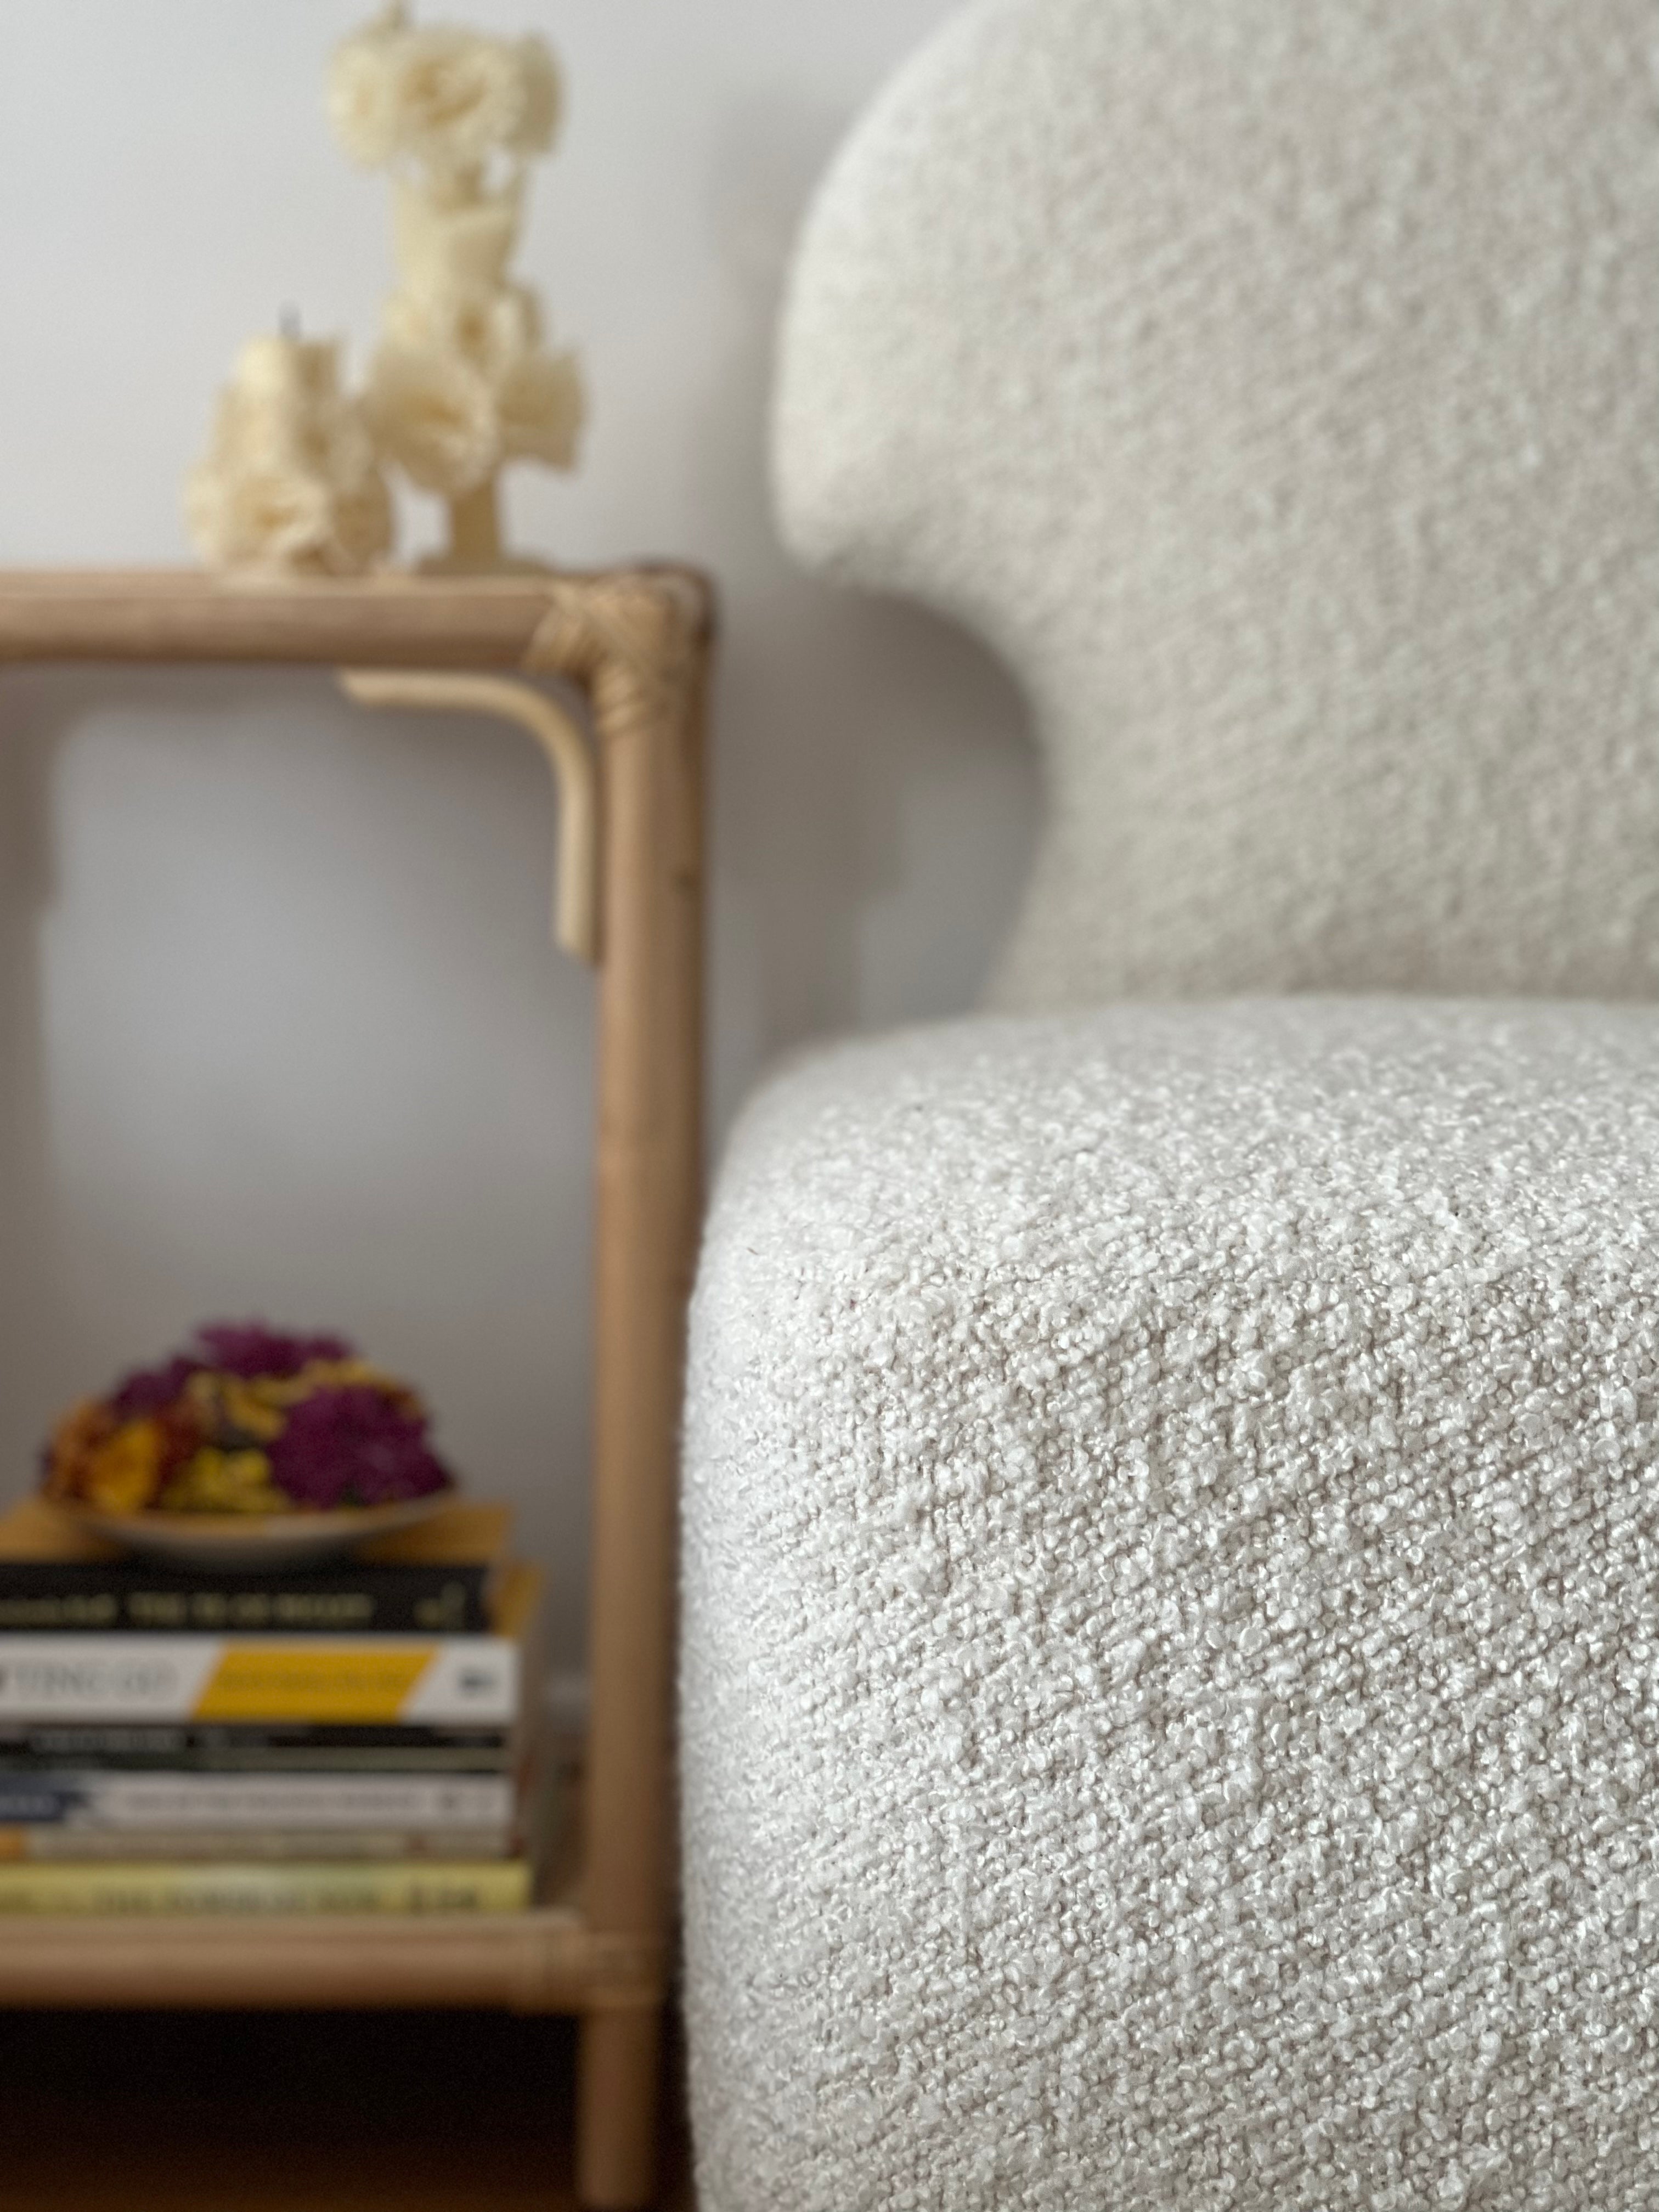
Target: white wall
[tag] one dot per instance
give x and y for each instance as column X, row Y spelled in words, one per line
column 282, row 1032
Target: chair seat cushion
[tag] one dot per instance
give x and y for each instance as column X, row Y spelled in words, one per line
column 1172, row 1617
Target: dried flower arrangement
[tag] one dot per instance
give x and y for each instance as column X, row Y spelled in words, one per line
column 247, row 1420
column 462, row 381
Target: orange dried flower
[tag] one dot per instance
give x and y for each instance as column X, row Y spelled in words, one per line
column 75, row 1437
column 123, row 1474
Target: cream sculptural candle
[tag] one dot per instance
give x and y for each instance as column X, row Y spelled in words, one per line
column 291, row 481
column 463, row 380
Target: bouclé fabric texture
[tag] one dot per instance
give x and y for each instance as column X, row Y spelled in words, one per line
column 1171, row 1529
column 1273, row 383
column 1170, row 1658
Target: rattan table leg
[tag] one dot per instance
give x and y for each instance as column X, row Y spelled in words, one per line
column 618, row 2087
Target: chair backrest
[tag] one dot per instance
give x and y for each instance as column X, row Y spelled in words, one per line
column 1274, row 384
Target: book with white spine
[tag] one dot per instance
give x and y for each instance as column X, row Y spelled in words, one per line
column 134, row 1803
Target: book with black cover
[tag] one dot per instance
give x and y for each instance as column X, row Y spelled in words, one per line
column 438, row 1578
column 242, row 1747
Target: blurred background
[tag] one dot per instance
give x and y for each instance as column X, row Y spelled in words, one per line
column 282, row 1031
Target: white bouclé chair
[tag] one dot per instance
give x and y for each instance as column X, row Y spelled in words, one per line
column 1171, row 1671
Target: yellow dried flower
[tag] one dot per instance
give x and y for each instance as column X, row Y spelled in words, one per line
column 245, row 1408
column 122, row 1475
column 213, row 1481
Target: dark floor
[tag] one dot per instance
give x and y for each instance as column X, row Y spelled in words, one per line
column 288, row 2112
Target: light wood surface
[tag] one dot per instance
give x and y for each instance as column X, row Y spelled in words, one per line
column 643, row 656
column 392, row 621
column 618, row 2160
column 576, row 860
column 541, row 1961
column 635, row 642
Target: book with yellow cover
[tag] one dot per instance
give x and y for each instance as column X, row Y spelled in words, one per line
column 444, row 1680
column 235, row 1888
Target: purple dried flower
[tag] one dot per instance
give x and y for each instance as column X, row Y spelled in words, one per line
column 352, row 1446
column 151, row 1390
column 250, row 1348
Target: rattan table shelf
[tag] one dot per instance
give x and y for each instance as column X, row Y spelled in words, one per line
column 635, row 643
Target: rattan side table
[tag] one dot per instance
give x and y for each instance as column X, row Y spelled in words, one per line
column 635, row 643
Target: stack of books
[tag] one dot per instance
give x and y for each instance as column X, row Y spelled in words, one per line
column 351, row 1738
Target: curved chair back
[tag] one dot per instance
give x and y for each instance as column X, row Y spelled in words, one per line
column 1275, row 385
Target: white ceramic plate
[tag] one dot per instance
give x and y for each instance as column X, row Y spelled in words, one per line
column 244, row 1543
